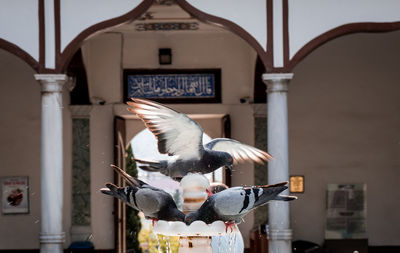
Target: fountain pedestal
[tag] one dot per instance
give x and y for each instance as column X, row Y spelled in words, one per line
column 195, row 244
column 196, row 237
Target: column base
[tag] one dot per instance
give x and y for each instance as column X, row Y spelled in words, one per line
column 280, row 234
column 51, row 243
column 280, row 240
column 57, row 238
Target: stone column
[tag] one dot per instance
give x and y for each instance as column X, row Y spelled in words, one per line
column 279, row 232
column 51, row 236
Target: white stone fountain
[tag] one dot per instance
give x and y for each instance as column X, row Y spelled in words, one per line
column 195, row 238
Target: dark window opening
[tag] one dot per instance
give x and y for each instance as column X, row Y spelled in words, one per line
column 260, row 95
column 80, row 94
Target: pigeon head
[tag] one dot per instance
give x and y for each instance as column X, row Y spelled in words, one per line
column 227, row 159
column 191, row 217
column 175, row 215
column 217, row 159
column 216, row 187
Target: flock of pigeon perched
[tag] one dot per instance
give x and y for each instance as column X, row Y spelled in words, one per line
column 181, row 138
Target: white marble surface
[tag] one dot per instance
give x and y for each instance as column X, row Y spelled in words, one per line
column 51, row 236
column 278, row 168
column 197, row 228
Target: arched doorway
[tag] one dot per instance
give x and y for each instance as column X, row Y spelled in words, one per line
column 109, row 52
column 130, row 134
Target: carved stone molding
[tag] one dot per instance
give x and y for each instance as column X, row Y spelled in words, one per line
column 80, row 111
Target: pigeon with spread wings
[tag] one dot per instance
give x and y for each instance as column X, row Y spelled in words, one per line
column 155, row 203
column 181, row 137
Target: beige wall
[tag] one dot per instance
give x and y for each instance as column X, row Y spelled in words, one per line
column 344, row 114
column 102, row 59
column 20, row 150
column 103, row 54
column 199, row 50
column 101, row 156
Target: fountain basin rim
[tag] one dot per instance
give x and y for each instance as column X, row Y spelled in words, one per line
column 197, row 228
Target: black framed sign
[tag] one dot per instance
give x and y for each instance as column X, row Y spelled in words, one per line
column 173, row 85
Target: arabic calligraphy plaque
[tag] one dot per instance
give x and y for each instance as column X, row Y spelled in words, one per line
column 173, row 85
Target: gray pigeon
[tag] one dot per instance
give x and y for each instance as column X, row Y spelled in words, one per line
column 181, row 137
column 232, row 204
column 155, row 203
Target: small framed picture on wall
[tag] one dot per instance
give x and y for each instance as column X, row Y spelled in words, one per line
column 15, row 195
column 296, row 184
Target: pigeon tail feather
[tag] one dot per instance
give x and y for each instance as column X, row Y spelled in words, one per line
column 269, row 193
column 112, row 190
column 121, row 193
column 106, row 191
column 275, row 185
column 285, row 198
column 150, row 168
column 153, row 163
column 129, row 179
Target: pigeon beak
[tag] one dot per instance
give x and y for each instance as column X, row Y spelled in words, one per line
column 209, row 193
column 187, row 220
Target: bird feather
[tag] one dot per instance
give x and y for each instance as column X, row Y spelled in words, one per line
column 176, row 133
column 239, row 151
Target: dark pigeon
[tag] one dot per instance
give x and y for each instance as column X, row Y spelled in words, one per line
column 155, row 203
column 181, row 137
column 232, row 204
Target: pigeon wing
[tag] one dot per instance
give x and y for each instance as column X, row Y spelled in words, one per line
column 230, row 202
column 239, row 151
column 237, row 200
column 176, row 133
column 148, row 201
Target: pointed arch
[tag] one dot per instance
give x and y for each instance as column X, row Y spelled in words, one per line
column 63, row 58
column 17, row 51
column 229, row 25
column 367, row 27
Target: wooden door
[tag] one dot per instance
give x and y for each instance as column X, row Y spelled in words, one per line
column 119, row 206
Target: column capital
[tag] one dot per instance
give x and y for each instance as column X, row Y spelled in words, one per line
column 277, row 76
column 51, row 82
column 277, row 82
